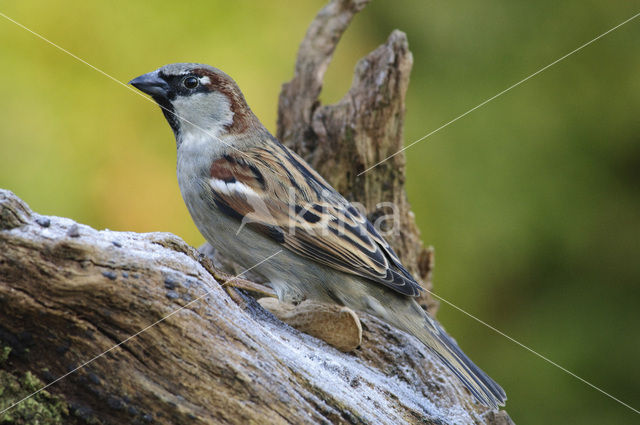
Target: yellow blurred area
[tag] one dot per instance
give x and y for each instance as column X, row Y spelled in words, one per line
column 83, row 146
column 532, row 202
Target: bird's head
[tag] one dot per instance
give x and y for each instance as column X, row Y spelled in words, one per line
column 197, row 98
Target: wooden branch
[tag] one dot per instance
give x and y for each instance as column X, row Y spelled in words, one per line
column 299, row 97
column 69, row 293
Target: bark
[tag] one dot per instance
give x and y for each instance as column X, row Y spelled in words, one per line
column 193, row 352
column 149, row 330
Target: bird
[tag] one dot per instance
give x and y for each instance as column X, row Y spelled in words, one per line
column 250, row 197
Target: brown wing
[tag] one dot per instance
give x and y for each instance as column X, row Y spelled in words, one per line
column 280, row 195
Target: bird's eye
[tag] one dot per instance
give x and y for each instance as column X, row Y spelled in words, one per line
column 190, row 82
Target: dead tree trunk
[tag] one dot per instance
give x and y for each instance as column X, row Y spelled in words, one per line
column 345, row 139
column 139, row 328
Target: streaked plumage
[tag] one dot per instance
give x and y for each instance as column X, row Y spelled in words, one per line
column 250, row 196
column 300, row 210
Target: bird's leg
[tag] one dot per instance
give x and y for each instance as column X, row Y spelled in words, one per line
column 256, row 289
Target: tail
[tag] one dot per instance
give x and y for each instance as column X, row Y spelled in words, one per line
column 417, row 322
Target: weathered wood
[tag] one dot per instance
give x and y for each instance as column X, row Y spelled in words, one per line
column 69, row 293
column 337, row 326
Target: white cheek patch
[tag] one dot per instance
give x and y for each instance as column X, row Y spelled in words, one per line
column 232, row 188
column 208, row 112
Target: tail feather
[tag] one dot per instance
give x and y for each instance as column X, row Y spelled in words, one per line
column 431, row 334
column 484, row 389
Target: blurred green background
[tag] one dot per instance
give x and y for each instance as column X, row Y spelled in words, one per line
column 532, row 202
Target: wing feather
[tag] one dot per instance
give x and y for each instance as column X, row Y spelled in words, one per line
column 279, row 195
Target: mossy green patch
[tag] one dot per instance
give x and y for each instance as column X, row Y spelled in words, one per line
column 42, row 408
column 4, row 354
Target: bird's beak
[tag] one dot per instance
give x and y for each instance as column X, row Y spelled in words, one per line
column 151, row 84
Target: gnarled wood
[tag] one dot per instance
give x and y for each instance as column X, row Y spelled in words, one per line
column 69, row 293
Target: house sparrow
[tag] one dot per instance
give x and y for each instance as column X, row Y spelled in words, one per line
column 250, row 197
